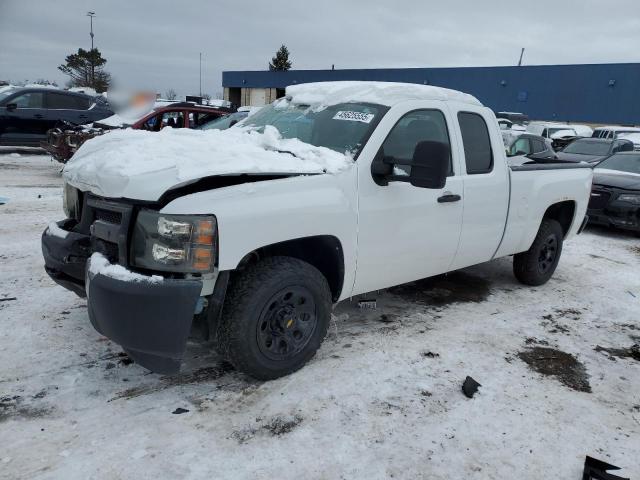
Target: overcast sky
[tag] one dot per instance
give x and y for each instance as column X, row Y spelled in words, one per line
column 155, row 44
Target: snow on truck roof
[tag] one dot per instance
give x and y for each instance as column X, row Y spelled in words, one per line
column 383, row 93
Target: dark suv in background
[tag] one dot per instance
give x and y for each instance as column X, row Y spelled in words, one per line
column 27, row 113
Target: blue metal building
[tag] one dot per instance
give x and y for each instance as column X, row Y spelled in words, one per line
column 592, row 93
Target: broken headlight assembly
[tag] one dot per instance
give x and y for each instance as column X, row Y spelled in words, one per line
column 174, row 243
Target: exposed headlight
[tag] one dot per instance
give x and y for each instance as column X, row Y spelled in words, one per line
column 631, row 198
column 174, row 243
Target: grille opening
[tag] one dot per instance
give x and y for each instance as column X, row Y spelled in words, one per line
column 108, row 216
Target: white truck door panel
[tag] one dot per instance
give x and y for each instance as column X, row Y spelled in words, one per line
column 486, row 190
column 404, row 233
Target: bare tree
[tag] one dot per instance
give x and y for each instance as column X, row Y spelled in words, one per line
column 170, row 94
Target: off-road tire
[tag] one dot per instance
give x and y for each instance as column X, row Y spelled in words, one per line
column 533, row 267
column 250, row 295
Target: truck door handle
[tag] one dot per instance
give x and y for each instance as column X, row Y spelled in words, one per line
column 449, row 197
column 38, row 115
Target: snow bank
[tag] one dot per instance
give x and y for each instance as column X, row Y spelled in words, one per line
column 98, row 264
column 324, row 94
column 55, row 231
column 143, row 165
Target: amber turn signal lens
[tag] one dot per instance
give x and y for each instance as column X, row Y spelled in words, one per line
column 204, row 232
column 202, row 258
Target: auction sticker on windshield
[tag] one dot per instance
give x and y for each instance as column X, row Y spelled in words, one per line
column 354, row 116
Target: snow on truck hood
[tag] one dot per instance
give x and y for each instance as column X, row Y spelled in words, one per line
column 143, row 165
column 324, row 94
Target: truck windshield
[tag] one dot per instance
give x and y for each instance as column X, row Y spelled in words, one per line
column 587, row 147
column 624, row 162
column 344, row 128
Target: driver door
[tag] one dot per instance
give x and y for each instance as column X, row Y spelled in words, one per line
column 26, row 124
column 406, row 233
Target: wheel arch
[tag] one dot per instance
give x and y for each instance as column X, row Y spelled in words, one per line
column 563, row 212
column 324, row 252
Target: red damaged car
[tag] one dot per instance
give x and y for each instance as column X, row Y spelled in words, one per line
column 63, row 141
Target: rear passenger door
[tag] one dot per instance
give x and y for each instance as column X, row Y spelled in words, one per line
column 485, row 184
column 66, row 106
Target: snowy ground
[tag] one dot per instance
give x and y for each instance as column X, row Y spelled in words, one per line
column 381, row 399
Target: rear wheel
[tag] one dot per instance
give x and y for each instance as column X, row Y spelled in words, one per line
column 536, row 265
column 275, row 317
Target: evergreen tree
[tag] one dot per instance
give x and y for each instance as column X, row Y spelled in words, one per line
column 86, row 69
column 281, row 60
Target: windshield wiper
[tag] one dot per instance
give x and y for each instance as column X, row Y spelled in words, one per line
column 287, row 151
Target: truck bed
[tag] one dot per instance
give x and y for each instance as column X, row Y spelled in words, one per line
column 532, row 189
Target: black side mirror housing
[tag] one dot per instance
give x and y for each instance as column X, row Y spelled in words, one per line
column 11, row 106
column 430, row 165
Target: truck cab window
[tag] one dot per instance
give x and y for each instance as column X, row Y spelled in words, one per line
column 415, row 127
column 477, row 143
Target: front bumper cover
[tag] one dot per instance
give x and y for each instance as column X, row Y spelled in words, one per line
column 150, row 320
column 616, row 214
column 65, row 257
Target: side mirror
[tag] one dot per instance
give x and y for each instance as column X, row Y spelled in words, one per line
column 11, row 106
column 430, row 165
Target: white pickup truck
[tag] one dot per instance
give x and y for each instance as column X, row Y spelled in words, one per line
column 335, row 190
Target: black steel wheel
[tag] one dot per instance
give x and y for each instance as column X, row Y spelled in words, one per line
column 275, row 317
column 286, row 323
column 536, row 265
column 548, row 253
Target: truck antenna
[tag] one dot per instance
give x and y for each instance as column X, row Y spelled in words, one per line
column 521, row 55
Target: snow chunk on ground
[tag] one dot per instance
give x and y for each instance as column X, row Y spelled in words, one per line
column 98, row 264
column 143, row 165
column 55, row 231
column 324, row 94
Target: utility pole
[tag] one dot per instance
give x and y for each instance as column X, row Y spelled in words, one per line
column 521, row 55
column 91, row 15
column 93, row 71
column 200, row 74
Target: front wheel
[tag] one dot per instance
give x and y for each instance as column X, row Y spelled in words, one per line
column 536, row 265
column 275, row 317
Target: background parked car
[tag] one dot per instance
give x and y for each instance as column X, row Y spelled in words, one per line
column 547, row 130
column 615, row 195
column 63, row 141
column 222, row 123
column 613, row 131
column 632, row 137
column 514, row 117
column 533, row 147
column 26, row 114
column 593, row 150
